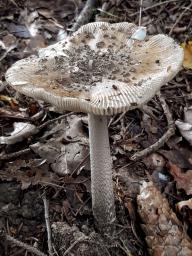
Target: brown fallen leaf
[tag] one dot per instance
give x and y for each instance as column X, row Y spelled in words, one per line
column 155, row 161
column 13, row 103
column 179, row 156
column 30, row 176
column 8, row 113
column 185, row 127
column 165, row 234
column 188, row 115
column 183, row 179
column 21, row 132
column 66, row 158
column 187, row 46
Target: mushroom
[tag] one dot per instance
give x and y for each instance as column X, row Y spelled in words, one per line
column 102, row 69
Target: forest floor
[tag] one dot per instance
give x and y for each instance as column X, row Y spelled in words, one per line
column 33, row 174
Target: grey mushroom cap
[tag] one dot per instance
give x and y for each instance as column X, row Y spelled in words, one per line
column 100, row 69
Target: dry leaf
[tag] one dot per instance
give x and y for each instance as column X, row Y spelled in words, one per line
column 21, row 132
column 8, row 113
column 155, row 161
column 18, row 30
column 182, row 157
column 183, row 179
column 185, row 127
column 188, row 115
column 187, row 46
column 65, row 157
column 185, row 130
column 30, row 176
column 13, row 103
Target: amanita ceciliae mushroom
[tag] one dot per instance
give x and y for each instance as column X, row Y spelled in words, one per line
column 102, row 70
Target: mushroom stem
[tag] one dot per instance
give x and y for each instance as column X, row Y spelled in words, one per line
column 101, row 172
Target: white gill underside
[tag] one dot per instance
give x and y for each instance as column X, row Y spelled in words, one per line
column 107, row 70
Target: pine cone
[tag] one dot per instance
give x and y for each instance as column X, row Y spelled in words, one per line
column 164, row 232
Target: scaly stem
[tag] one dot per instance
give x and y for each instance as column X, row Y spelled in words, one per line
column 101, row 172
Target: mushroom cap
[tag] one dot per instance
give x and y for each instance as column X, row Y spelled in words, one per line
column 102, row 69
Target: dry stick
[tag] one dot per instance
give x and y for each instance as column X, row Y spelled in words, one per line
column 164, row 138
column 153, row 6
column 149, row 112
column 48, row 227
column 53, row 120
column 15, row 154
column 108, row 13
column 7, row 51
column 80, row 164
column 12, row 1
column 81, row 207
column 112, row 122
column 179, row 18
column 85, row 15
column 80, row 239
column 118, row 119
column 140, row 11
column 25, row 246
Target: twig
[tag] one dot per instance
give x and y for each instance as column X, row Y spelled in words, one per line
column 81, row 207
column 140, row 11
column 80, row 239
column 118, row 119
column 55, row 251
column 164, row 138
column 177, row 29
column 84, row 160
column 6, row 52
column 25, row 246
column 12, row 1
column 53, row 120
column 153, row 6
column 149, row 112
column 108, row 13
column 85, row 15
column 179, row 18
column 37, row 116
column 48, row 227
column 124, row 248
column 15, row 154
